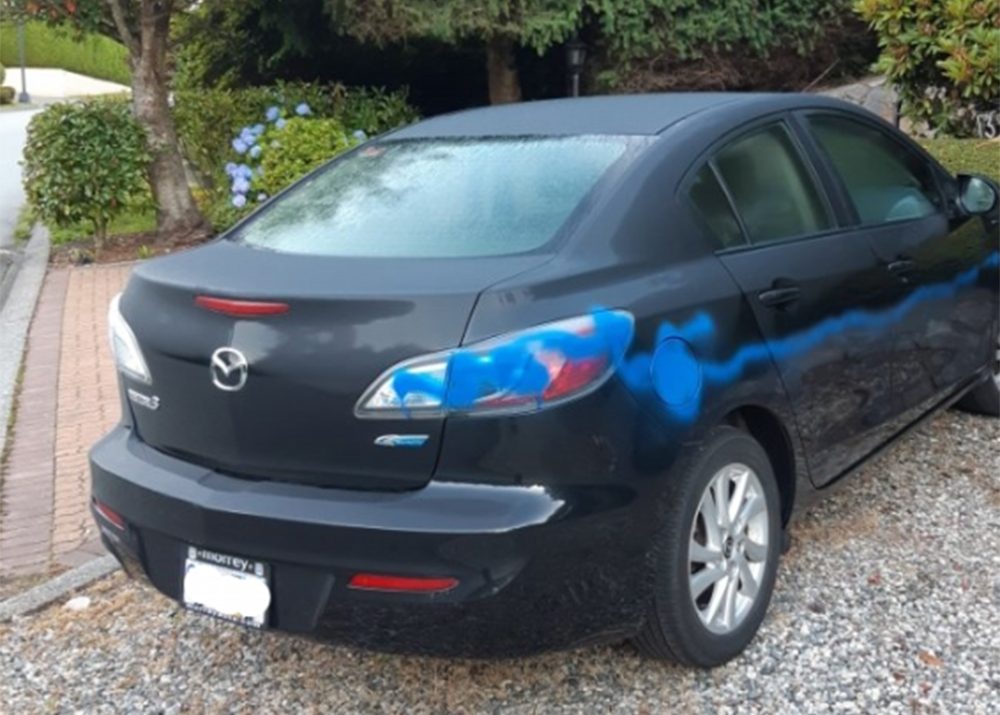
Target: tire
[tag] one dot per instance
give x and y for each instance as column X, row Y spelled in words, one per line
column 984, row 399
column 676, row 627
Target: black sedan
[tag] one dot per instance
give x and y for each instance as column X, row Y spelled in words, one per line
column 542, row 375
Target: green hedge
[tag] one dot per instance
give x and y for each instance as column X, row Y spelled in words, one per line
column 44, row 46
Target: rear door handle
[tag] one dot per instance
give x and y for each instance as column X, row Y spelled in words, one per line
column 901, row 266
column 777, row 297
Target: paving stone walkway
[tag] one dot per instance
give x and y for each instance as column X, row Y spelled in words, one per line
column 68, row 399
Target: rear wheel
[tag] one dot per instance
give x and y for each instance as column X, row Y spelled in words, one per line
column 718, row 553
column 985, row 398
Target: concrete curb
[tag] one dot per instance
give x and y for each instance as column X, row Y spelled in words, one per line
column 56, row 588
column 15, row 317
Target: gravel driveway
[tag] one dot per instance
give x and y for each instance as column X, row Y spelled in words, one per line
column 887, row 602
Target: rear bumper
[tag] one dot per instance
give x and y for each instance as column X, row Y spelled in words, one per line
column 538, row 568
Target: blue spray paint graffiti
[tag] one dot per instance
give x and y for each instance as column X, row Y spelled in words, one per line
column 522, row 370
column 675, row 374
column 519, row 370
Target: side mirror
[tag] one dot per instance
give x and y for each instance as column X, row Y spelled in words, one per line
column 976, row 194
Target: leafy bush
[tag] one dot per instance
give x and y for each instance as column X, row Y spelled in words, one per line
column 85, row 162
column 726, row 44
column 7, row 95
column 207, row 120
column 294, row 151
column 943, row 57
column 272, row 154
column 44, row 46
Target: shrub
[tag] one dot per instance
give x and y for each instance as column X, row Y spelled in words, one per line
column 85, row 162
column 298, row 148
column 726, row 44
column 207, row 120
column 271, row 154
column 45, row 46
column 943, row 57
column 7, row 95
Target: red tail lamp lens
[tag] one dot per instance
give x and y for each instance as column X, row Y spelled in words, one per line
column 575, row 375
column 382, row 582
column 240, row 308
column 110, row 515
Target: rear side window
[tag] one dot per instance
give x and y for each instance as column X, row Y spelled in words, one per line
column 709, row 200
column 771, row 187
column 436, row 198
column 886, row 181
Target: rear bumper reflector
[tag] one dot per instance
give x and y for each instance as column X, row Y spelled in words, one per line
column 109, row 515
column 382, row 582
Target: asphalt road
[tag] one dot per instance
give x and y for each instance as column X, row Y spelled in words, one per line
column 13, row 125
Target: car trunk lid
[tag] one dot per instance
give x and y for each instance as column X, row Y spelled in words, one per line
column 347, row 321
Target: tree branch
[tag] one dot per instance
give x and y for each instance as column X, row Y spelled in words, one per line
column 124, row 31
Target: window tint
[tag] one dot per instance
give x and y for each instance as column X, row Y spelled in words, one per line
column 771, row 187
column 885, row 181
column 712, row 205
column 436, row 198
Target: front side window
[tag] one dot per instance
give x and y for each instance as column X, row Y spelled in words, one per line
column 436, row 198
column 771, row 187
column 886, row 182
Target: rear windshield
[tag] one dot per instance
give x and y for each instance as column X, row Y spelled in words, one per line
column 436, row 198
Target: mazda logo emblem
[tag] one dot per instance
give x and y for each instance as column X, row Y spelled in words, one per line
column 229, row 369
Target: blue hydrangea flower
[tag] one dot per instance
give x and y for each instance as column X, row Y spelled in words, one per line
column 272, row 114
column 241, row 186
column 230, row 168
column 359, row 135
column 303, row 109
column 280, row 124
column 262, row 196
column 255, row 151
column 243, row 170
column 239, row 201
column 240, row 146
column 247, row 136
column 257, row 129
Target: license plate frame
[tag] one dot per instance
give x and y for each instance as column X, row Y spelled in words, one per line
column 232, row 588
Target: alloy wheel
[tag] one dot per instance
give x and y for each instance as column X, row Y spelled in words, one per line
column 728, row 548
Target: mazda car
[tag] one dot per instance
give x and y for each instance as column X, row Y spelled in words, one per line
column 543, row 375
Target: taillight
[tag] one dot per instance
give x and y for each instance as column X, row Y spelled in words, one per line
column 124, row 347
column 523, row 371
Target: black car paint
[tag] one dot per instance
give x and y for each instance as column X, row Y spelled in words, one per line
column 547, row 519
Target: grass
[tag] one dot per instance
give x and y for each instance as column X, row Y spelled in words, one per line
column 131, row 220
column 967, row 156
column 25, row 220
column 44, row 46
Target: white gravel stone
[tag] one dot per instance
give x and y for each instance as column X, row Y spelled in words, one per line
column 886, row 603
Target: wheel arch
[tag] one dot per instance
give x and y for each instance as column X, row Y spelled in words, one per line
column 769, row 430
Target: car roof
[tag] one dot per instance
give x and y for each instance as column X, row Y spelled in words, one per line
column 627, row 114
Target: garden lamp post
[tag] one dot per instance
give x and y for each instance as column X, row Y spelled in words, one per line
column 23, row 97
column 576, row 53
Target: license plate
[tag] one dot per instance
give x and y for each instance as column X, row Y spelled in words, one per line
column 229, row 587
